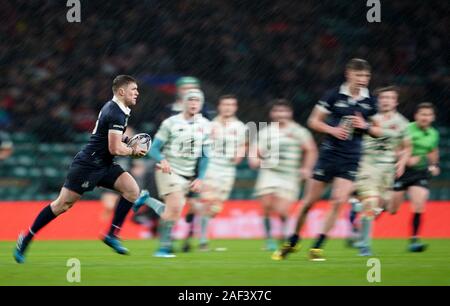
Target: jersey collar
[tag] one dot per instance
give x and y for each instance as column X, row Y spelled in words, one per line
column 122, row 106
column 231, row 120
column 363, row 92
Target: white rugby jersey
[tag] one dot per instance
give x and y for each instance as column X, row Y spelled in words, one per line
column 281, row 147
column 226, row 139
column 183, row 140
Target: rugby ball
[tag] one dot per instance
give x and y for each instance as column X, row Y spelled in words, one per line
column 142, row 140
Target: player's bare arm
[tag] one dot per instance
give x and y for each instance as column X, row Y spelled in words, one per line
column 403, row 155
column 433, row 158
column 310, row 154
column 118, row 148
column 254, row 159
column 240, row 154
column 316, row 122
column 373, row 128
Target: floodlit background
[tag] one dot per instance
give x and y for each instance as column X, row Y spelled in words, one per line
column 56, row 75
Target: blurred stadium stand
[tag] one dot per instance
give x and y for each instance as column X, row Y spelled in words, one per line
column 56, row 75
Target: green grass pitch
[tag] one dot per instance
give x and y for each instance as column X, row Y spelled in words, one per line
column 243, row 263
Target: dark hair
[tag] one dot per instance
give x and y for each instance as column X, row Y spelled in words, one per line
column 122, row 80
column 229, row 96
column 380, row 90
column 358, row 64
column 280, row 102
column 425, row 105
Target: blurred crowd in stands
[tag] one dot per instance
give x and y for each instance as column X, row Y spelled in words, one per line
column 56, row 75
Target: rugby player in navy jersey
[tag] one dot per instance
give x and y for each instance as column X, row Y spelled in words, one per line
column 344, row 115
column 94, row 166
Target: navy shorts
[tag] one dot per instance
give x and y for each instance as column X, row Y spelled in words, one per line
column 83, row 177
column 329, row 167
column 412, row 177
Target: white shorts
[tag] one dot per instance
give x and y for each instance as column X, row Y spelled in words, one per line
column 169, row 183
column 217, row 187
column 375, row 180
column 283, row 186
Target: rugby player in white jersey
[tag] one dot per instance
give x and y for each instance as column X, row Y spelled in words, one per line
column 286, row 154
column 181, row 140
column 228, row 145
column 383, row 159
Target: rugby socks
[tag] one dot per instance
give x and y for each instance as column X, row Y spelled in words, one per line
column 283, row 227
column 416, row 224
column 156, row 205
column 320, row 240
column 191, row 227
column 352, row 217
column 165, row 231
column 267, row 227
column 355, row 209
column 190, row 217
column 366, row 231
column 190, row 221
column 122, row 209
column 293, row 240
column 204, row 229
column 45, row 217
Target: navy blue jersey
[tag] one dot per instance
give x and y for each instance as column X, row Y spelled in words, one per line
column 339, row 104
column 112, row 117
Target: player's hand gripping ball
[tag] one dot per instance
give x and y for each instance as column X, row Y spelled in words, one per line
column 141, row 141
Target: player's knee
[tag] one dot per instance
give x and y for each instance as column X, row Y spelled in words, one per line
column 132, row 194
column 172, row 213
column 60, row 206
column 267, row 209
column 306, row 207
column 392, row 211
column 369, row 206
column 338, row 200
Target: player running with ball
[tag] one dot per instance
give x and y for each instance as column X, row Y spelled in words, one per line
column 94, row 166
